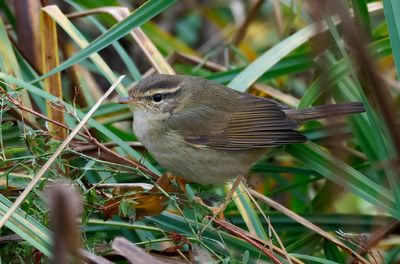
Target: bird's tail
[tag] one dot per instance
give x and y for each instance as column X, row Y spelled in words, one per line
column 324, row 111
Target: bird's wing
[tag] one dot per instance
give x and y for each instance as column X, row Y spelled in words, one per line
column 249, row 122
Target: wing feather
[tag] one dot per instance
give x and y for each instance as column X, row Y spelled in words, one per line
column 246, row 122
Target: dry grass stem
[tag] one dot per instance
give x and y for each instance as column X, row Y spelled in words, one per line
column 306, row 223
column 50, row 161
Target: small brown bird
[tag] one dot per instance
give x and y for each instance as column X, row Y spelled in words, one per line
column 207, row 133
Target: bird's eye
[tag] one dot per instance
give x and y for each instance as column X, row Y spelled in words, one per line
column 157, row 97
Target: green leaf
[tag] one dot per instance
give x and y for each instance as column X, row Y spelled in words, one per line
column 392, row 10
column 312, row 259
column 6, row 125
column 337, row 72
column 361, row 12
column 55, row 13
column 292, row 64
column 141, row 15
column 332, row 252
column 28, row 228
column 216, row 239
column 93, row 123
column 8, row 61
column 245, row 257
column 267, row 60
column 314, row 157
column 248, row 213
column 130, row 65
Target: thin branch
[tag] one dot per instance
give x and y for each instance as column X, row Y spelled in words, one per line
column 92, row 258
column 241, row 33
column 382, row 232
column 286, row 254
column 355, row 39
column 88, row 138
column 306, row 223
column 242, row 234
column 63, row 145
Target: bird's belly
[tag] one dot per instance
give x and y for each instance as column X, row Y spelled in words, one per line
column 201, row 165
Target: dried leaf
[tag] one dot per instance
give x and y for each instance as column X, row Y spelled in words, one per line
column 135, row 254
column 138, row 203
column 50, row 60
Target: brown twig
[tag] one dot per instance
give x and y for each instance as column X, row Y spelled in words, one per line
column 245, row 236
column 14, row 113
column 133, row 253
column 50, row 161
column 272, row 230
column 381, row 232
column 305, row 223
column 89, row 148
column 88, row 138
column 65, row 207
column 89, row 257
column 274, row 93
column 10, row 238
column 240, row 34
column 354, row 37
column 195, row 60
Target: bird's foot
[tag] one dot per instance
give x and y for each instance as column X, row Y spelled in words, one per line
column 216, row 211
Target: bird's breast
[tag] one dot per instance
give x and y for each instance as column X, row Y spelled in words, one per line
column 201, row 165
column 148, row 126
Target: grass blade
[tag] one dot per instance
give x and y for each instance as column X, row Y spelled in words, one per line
column 392, row 11
column 125, row 57
column 92, row 123
column 141, row 15
column 50, row 161
column 266, row 61
column 27, row 228
column 314, row 157
column 50, row 59
column 55, row 13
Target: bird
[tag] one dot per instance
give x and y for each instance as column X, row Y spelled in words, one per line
column 207, row 133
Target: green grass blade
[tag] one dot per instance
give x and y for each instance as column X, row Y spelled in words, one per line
column 361, row 12
column 93, row 123
column 312, row 259
column 338, row 72
column 292, row 64
column 130, row 65
column 248, row 213
column 314, row 157
column 55, row 13
column 374, row 127
column 267, row 60
column 392, row 11
column 332, row 252
column 27, row 228
column 8, row 61
column 212, row 237
column 141, row 15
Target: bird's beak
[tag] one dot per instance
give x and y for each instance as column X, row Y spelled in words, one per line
column 123, row 100
column 126, row 100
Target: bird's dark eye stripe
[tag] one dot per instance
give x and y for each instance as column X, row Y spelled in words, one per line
column 158, row 97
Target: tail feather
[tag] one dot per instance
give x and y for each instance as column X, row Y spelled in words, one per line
column 324, row 111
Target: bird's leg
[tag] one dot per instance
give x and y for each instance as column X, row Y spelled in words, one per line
column 217, row 211
column 220, row 209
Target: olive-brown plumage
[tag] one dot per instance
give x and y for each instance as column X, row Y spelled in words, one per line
column 207, row 133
